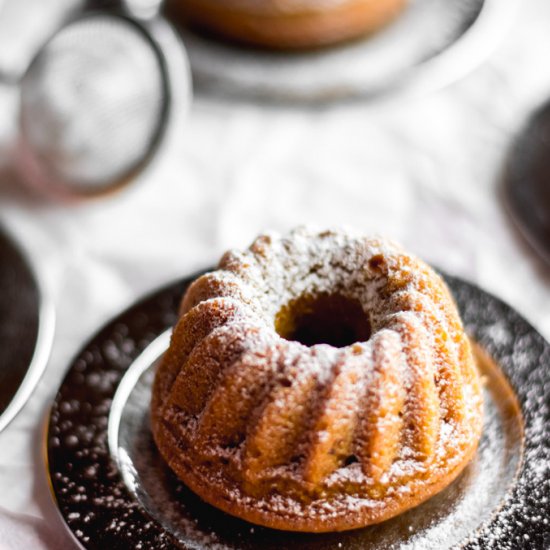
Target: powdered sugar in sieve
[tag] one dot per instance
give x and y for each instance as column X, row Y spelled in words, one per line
column 92, row 105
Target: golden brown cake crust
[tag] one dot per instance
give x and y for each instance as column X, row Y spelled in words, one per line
column 307, row 436
column 289, row 24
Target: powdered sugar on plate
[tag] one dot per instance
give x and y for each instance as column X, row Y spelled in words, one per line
column 500, row 501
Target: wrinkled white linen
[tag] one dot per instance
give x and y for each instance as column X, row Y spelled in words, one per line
column 424, row 171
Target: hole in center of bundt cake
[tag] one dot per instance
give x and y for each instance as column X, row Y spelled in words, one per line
column 323, row 319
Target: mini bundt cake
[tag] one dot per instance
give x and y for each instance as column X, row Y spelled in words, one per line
column 320, row 381
column 288, row 24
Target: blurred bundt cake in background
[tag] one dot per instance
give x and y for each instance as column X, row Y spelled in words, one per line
column 287, row 24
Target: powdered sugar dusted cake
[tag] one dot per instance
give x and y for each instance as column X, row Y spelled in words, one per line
column 319, row 381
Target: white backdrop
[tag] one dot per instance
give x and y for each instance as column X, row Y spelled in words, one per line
column 425, row 172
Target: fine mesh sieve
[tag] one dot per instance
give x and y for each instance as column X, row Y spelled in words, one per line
column 97, row 99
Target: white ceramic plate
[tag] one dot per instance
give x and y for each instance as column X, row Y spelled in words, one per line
column 433, row 43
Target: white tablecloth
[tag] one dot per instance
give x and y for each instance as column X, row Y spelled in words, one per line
column 426, row 172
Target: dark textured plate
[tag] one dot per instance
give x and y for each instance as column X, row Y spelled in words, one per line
column 526, row 188
column 114, row 491
column 26, row 330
